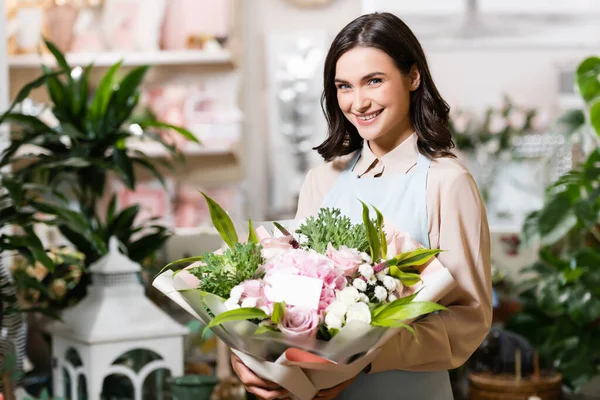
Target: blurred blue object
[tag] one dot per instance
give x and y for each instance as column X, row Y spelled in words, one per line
column 495, row 301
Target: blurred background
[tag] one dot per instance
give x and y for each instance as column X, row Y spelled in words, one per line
column 236, row 85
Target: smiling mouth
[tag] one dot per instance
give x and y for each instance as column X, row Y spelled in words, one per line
column 369, row 117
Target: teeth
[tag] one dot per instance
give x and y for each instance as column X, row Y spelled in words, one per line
column 370, row 116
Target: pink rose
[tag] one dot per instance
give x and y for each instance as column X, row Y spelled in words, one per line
column 346, row 259
column 298, row 321
column 271, row 246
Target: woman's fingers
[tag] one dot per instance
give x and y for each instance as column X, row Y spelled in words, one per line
column 266, row 394
column 249, row 378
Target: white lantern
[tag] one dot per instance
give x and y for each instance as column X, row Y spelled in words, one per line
column 114, row 337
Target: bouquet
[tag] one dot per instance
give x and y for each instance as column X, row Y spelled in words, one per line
column 310, row 306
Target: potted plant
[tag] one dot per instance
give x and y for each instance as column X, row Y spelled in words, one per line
column 561, row 304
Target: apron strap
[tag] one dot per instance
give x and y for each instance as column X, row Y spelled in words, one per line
column 423, row 163
column 353, row 161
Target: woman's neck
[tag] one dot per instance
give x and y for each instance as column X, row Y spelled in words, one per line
column 383, row 145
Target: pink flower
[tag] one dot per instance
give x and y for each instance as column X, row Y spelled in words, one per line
column 345, row 259
column 271, row 246
column 189, row 280
column 298, row 321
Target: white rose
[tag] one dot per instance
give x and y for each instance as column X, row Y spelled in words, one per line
column 249, row 302
column 380, row 293
column 390, row 283
column 360, row 284
column 359, row 312
column 364, row 298
column 366, row 270
column 231, row 304
column 236, row 293
column 338, row 308
column 348, row 295
column 333, row 321
column 392, row 298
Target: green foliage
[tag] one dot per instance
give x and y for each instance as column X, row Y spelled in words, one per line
column 561, row 304
column 223, row 272
column 222, row 222
column 330, row 226
column 239, row 314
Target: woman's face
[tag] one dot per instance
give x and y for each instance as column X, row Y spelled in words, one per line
column 375, row 96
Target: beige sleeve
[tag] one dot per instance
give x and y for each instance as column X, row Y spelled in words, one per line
column 310, row 198
column 447, row 340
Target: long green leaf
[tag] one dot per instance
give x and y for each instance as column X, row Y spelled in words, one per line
column 252, row 238
column 25, row 90
column 408, row 311
column 122, row 160
column 265, row 329
column 147, row 245
column 103, row 92
column 148, row 165
column 382, row 238
column 278, row 312
column 222, row 222
column 415, row 257
column 407, row 279
column 29, row 122
column 395, row 324
column 239, row 314
column 124, row 101
column 395, row 303
column 372, row 236
column 60, row 58
column 595, row 116
column 587, row 78
column 181, row 261
column 156, row 124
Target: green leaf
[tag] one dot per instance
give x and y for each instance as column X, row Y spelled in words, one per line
column 587, row 78
column 25, row 90
column 395, row 324
column 156, row 124
column 122, row 160
column 407, row 279
column 382, row 238
column 395, row 303
column 372, row 236
column 278, row 312
column 148, row 245
column 595, row 116
column 252, row 238
column 239, row 314
column 181, row 261
column 28, row 122
column 104, row 92
column 110, row 211
column 415, row 257
column 60, row 58
column 222, row 222
column 406, row 312
column 281, row 228
column 150, row 167
column 264, row 329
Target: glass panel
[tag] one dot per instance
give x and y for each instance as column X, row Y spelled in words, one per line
column 155, row 385
column 136, row 359
column 72, row 356
column 66, row 384
column 81, row 388
column 117, row 387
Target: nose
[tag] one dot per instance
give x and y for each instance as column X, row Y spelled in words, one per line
column 361, row 102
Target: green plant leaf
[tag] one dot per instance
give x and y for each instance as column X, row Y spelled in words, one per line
column 382, row 238
column 281, row 228
column 110, row 211
column 148, row 165
column 146, row 246
column 372, row 236
column 252, row 238
column 595, row 116
column 25, row 90
column 407, row 279
column 239, row 314
column 395, row 303
column 181, row 261
column 60, row 58
column 265, row 329
column 122, row 160
column 415, row 258
column 156, row 124
column 278, row 312
column 222, row 222
column 404, row 312
column 587, row 78
column 28, row 122
column 104, row 92
column 395, row 324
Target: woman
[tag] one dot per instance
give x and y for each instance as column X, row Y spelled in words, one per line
column 389, row 145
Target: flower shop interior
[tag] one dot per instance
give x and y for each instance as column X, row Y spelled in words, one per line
column 182, row 98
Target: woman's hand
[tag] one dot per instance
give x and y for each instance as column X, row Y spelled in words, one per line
column 265, row 390
column 332, row 393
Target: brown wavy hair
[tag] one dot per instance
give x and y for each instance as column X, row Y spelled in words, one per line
column 428, row 110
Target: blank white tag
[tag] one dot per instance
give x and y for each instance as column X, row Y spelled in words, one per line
column 295, row 290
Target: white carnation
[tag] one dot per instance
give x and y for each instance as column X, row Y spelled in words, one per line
column 348, row 295
column 390, row 283
column 366, row 270
column 359, row 312
column 366, row 258
column 372, row 280
column 392, row 298
column 360, row 284
column 333, row 321
column 364, row 298
column 249, row 302
column 231, row 304
column 338, row 308
column 380, row 276
column 236, row 293
column 380, row 293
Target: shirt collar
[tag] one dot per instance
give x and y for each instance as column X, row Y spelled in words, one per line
column 400, row 160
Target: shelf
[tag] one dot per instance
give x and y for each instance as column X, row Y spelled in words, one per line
column 152, row 149
column 170, row 57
